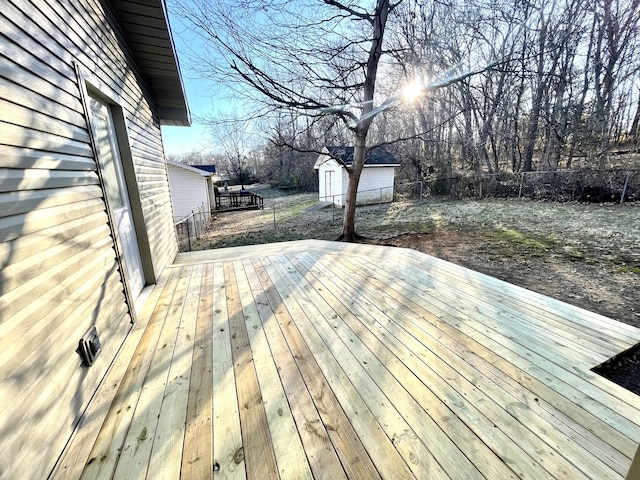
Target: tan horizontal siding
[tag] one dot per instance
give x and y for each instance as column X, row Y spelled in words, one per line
column 27, row 380
column 59, row 272
column 65, row 108
column 47, row 285
column 39, row 140
column 16, row 157
column 151, row 162
column 40, row 242
column 16, row 202
column 43, row 328
column 25, row 117
column 34, row 57
column 150, row 171
column 16, row 226
column 141, row 135
column 22, row 180
column 20, row 272
column 163, row 252
column 43, row 91
column 68, row 389
column 66, row 35
column 156, row 203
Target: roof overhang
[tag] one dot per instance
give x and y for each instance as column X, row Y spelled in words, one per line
column 379, row 165
column 189, row 168
column 146, row 25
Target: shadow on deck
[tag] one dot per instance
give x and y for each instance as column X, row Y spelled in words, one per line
column 318, row 359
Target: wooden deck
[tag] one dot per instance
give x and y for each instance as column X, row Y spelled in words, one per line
column 320, row 360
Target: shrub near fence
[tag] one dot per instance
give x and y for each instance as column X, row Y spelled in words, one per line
column 192, row 227
column 582, row 185
column 613, row 185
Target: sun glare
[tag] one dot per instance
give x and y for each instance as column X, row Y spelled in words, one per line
column 411, row 91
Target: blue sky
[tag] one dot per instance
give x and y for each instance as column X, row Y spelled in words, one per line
column 179, row 140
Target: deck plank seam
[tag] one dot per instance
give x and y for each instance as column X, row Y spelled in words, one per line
column 418, row 414
column 590, row 383
column 474, row 379
column 352, row 454
column 333, row 368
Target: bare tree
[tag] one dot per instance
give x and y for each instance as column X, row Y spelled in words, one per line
column 320, row 57
column 567, row 90
column 617, row 22
column 236, row 153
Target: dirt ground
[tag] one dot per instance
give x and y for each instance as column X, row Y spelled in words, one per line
column 589, row 285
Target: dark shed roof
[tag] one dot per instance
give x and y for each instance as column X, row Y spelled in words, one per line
column 375, row 156
column 206, row 168
column 146, row 25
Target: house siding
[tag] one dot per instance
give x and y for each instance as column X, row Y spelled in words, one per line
column 376, row 183
column 59, row 275
column 188, row 191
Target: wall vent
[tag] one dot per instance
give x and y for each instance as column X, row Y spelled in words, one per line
column 89, row 347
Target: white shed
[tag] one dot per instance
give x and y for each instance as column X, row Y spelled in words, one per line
column 376, row 180
column 191, row 188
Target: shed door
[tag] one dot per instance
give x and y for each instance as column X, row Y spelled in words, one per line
column 115, row 186
column 328, row 188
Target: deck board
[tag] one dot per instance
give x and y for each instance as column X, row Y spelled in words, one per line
column 442, row 403
column 258, row 452
column 290, row 456
column 135, row 454
column 333, row 420
column 323, row 459
column 166, row 454
column 197, row 461
column 320, row 360
column 228, row 455
column 465, row 388
column 360, row 397
column 576, row 381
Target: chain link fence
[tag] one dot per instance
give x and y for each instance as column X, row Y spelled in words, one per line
column 379, row 196
column 192, row 227
column 371, row 200
column 611, row 185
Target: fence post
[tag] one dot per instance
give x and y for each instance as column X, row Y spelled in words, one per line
column 624, row 189
column 420, row 197
column 380, row 202
column 333, row 208
column 188, row 234
column 521, row 182
column 196, row 223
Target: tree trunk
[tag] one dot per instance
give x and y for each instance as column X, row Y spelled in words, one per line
column 536, row 105
column 487, row 124
column 577, row 117
column 467, row 154
column 349, row 224
column 635, row 127
column 364, row 123
column 559, row 117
